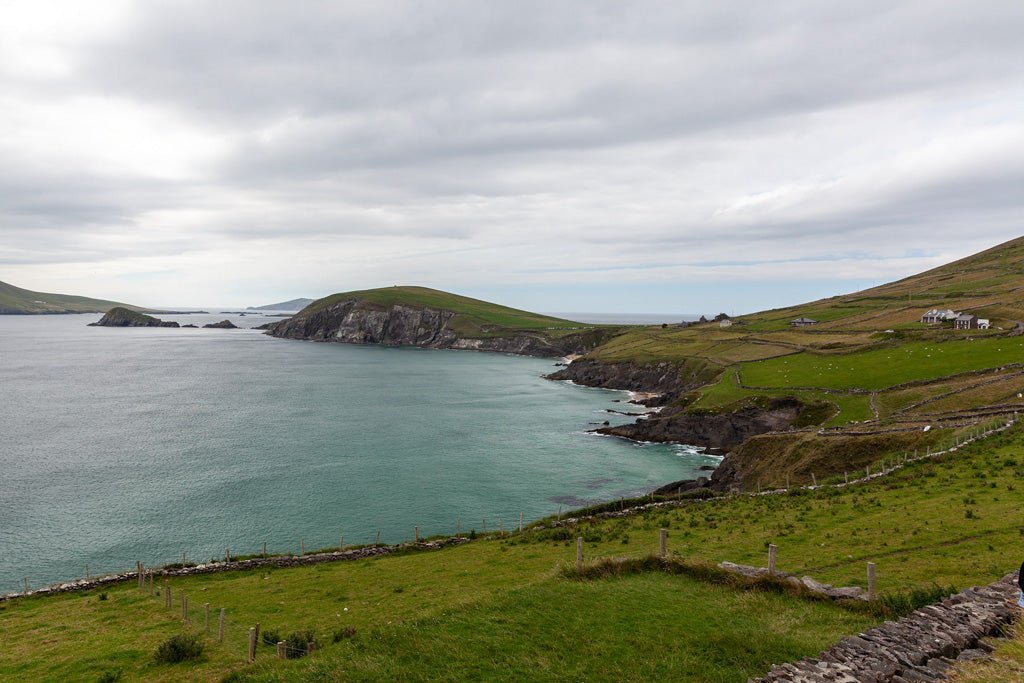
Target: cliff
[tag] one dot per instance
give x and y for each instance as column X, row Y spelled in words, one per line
column 436, row 320
column 122, row 317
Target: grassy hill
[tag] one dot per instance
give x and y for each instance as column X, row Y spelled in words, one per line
column 17, row 301
column 868, row 365
column 499, row 608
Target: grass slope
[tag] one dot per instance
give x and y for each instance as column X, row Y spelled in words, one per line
column 474, row 316
column 498, row 607
column 14, row 300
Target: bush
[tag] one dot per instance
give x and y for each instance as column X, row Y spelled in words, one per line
column 103, row 596
column 270, row 637
column 296, row 642
column 112, row 676
column 343, row 633
column 179, row 648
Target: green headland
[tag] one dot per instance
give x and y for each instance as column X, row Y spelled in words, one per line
column 18, row 301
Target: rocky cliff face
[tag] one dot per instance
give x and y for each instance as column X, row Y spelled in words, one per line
column 358, row 322
column 123, row 317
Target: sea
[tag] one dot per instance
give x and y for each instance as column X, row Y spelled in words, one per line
column 120, row 445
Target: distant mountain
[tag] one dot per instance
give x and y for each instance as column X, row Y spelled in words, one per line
column 18, row 301
column 293, row 305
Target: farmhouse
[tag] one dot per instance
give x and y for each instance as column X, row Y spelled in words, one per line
column 725, row 323
column 936, row 315
column 803, row 322
column 966, row 321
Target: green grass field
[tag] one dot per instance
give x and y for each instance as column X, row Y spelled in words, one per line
column 14, row 300
column 496, row 606
column 883, row 368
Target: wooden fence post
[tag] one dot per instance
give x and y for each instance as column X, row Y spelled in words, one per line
column 559, row 513
column 377, row 542
column 220, row 627
column 264, row 549
column 87, row 577
column 257, row 632
column 772, row 552
column 871, row 580
column 663, row 543
column 458, row 526
column 814, row 480
column 281, row 650
column 787, row 482
column 417, row 534
column 846, row 476
column 302, row 547
column 579, row 554
column 252, row 646
column 227, row 554
column 520, row 522
column 167, row 595
column 341, row 542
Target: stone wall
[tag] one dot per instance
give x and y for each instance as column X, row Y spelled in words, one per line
column 918, row 647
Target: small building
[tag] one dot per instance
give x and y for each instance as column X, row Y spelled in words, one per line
column 803, row 322
column 725, row 323
column 983, row 323
column 937, row 315
column 966, row 321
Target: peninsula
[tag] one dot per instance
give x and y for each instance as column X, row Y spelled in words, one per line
column 18, row 301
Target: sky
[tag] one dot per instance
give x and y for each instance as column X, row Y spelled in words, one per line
column 660, row 157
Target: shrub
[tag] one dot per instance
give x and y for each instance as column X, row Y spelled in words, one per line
column 111, row 676
column 296, row 643
column 103, row 596
column 343, row 633
column 905, row 602
column 270, row 637
column 179, row 648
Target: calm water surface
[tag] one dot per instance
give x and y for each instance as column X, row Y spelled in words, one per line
column 119, row 445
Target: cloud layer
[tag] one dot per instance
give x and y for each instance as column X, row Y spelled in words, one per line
column 236, row 151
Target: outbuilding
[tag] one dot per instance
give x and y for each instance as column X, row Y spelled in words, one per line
column 803, row 322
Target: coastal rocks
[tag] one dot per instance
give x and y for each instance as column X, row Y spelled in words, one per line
column 663, row 378
column 222, row 325
column 123, row 317
column 918, row 647
column 824, row 589
column 714, row 430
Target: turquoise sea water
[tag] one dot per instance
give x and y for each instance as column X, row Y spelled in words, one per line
column 120, row 445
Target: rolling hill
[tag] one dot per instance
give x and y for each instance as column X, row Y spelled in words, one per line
column 18, row 301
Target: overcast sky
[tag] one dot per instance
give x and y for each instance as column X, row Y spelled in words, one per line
column 558, row 156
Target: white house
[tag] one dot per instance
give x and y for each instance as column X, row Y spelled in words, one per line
column 983, row 323
column 938, row 315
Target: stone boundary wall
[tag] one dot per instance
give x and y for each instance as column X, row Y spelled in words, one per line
column 918, row 647
column 239, row 565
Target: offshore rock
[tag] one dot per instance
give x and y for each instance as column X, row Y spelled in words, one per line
column 123, row 317
column 222, row 325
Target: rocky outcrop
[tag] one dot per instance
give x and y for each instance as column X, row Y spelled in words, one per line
column 222, row 325
column 663, row 378
column 713, row 430
column 356, row 321
column 920, row 647
column 123, row 317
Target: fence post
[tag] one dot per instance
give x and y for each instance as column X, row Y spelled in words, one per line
column 206, row 617
column 417, row 534
column 280, row 649
column 458, row 526
column 520, row 522
column 264, row 549
column 559, row 513
column 663, row 543
column 341, row 542
column 871, row 580
column 220, row 627
column 378, row 538
column 846, row 476
column 257, row 632
column 867, row 470
column 579, row 554
column 814, row 480
column 252, row 645
column 310, row 647
column 302, row 547
column 772, row 552
column 787, row 482
column 167, row 595
column 87, row 577
column 227, row 553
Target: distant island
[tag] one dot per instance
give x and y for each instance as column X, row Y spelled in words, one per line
column 293, row 305
column 18, row 301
